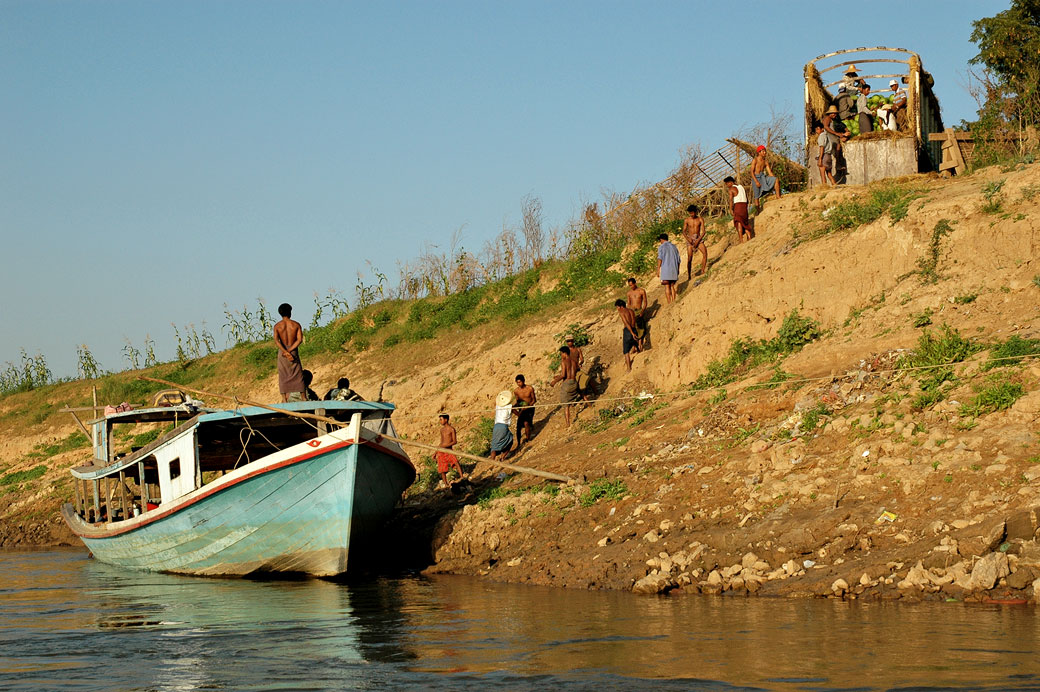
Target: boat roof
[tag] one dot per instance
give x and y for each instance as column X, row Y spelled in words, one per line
column 162, row 414
column 380, row 407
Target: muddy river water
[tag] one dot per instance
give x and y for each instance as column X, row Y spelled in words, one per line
column 68, row 622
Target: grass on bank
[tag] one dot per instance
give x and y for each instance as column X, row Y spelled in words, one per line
column 746, row 354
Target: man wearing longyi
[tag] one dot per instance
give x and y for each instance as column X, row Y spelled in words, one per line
column 288, row 335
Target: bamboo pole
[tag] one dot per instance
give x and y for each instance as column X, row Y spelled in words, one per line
column 398, row 440
column 78, row 422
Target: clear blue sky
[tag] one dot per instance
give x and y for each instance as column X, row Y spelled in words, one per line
column 159, row 159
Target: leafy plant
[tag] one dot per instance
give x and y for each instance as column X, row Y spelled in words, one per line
column 811, row 418
column 966, row 298
column 480, row 437
column 935, row 350
column 31, row 372
column 999, row 396
column 852, row 213
column 927, row 266
column 994, row 200
column 921, row 319
column 16, row 477
column 1011, row 352
column 602, row 488
column 746, row 354
column 88, row 367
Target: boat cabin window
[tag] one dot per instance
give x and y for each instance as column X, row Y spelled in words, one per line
column 175, row 468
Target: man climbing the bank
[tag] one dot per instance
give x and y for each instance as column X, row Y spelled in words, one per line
column 569, row 394
column 667, row 266
column 738, row 208
column 693, row 231
column 629, row 342
column 501, row 437
column 636, row 302
column 446, row 460
column 579, row 362
column 288, row 335
column 762, row 179
column 524, row 410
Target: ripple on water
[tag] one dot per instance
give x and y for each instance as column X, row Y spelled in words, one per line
column 68, row 622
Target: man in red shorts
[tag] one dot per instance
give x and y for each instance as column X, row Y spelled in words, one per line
column 445, row 460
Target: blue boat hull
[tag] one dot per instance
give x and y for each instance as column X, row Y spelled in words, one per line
column 301, row 516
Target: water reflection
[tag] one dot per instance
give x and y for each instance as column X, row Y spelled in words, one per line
column 67, row 621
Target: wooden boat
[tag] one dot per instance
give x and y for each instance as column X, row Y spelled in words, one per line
column 243, row 491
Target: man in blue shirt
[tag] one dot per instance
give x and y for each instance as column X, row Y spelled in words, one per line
column 667, row 266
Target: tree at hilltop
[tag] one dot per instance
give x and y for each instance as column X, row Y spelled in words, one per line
column 1009, row 54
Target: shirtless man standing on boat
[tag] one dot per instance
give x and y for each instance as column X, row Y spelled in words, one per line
column 288, row 335
column 446, row 460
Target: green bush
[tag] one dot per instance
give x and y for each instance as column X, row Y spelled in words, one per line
column 746, row 354
column 997, row 397
column 480, row 437
column 936, row 349
column 942, row 347
column 16, row 477
column 1014, row 349
column 892, row 199
column 76, row 440
column 602, row 488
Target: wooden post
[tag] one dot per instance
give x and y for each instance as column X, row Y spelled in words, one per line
column 80, row 424
column 97, row 500
column 122, row 495
column 79, row 494
column 143, row 485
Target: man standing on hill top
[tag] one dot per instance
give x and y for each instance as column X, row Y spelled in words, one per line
column 569, row 393
column 447, row 460
column 762, row 178
column 524, row 410
column 864, row 114
column 825, row 155
column 693, row 231
column 288, row 335
column 629, row 342
column 667, row 266
column 738, row 208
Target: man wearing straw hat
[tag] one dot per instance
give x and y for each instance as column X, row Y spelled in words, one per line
column 837, row 133
column 851, row 80
column 501, row 437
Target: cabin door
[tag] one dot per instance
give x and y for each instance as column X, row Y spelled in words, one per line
column 176, row 462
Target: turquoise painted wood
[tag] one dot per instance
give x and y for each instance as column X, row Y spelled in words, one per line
column 299, row 518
